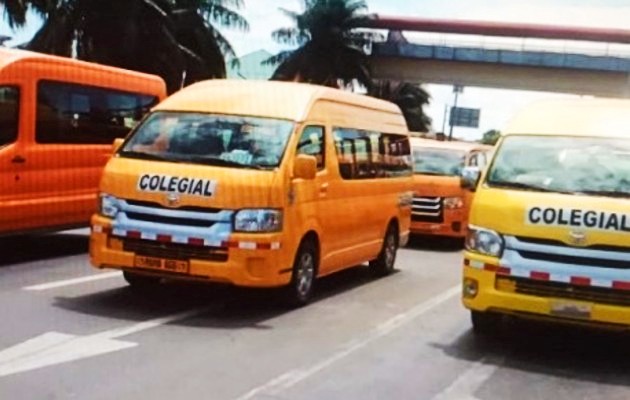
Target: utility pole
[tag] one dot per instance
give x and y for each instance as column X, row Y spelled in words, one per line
column 457, row 89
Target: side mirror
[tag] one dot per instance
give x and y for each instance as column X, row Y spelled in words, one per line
column 116, row 145
column 470, row 178
column 305, row 167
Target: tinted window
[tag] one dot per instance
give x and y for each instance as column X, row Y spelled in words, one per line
column 312, row 143
column 365, row 154
column 69, row 113
column 9, row 114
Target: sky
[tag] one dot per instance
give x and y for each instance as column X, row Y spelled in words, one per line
column 496, row 106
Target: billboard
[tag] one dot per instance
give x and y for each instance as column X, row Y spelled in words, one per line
column 467, row 117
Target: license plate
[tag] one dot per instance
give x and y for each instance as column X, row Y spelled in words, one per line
column 568, row 309
column 178, row 266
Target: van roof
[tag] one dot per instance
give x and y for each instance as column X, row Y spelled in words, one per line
column 9, row 56
column 573, row 117
column 455, row 145
column 273, row 99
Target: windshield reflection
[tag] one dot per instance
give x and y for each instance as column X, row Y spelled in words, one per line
column 222, row 140
column 594, row 166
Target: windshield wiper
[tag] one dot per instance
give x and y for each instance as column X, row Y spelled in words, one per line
column 606, row 193
column 525, row 186
column 430, row 173
column 146, row 156
column 221, row 162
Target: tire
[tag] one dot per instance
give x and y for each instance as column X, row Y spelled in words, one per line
column 384, row 264
column 303, row 276
column 138, row 281
column 486, row 324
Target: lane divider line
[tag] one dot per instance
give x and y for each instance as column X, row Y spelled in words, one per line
column 285, row 381
column 74, row 281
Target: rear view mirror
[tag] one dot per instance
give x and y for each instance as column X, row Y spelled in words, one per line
column 116, row 145
column 305, row 167
column 470, row 178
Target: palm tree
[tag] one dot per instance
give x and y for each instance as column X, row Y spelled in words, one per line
column 330, row 49
column 175, row 39
column 409, row 97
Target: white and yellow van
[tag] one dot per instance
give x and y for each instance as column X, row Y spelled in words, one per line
column 256, row 184
column 550, row 222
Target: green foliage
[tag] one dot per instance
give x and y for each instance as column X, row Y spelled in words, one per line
column 329, row 48
column 175, row 39
column 409, row 97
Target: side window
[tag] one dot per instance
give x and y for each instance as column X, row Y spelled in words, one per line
column 71, row 113
column 9, row 114
column 312, row 142
column 366, row 154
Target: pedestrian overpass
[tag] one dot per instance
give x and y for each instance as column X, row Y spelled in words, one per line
column 582, row 61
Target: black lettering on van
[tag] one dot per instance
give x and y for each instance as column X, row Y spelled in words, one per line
column 154, row 183
column 613, row 222
column 172, row 184
column 590, row 219
column 576, row 217
column 561, row 219
column 625, row 223
column 163, row 186
column 549, row 216
column 182, row 185
column 198, row 190
column 534, row 215
column 207, row 191
column 144, row 182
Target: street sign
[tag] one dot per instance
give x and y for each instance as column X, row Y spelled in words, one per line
column 468, row 117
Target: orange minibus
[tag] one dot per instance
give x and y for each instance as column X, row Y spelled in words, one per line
column 440, row 204
column 260, row 184
column 58, row 119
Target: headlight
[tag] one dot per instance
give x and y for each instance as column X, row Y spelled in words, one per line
column 484, row 241
column 107, row 205
column 258, row 220
column 452, row 203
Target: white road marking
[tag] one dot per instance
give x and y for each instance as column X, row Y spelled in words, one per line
column 295, row 376
column 464, row 387
column 74, row 281
column 53, row 348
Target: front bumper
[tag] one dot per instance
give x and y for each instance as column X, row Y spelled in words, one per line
column 490, row 297
column 253, row 260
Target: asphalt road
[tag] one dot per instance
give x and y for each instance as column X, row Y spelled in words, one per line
column 70, row 332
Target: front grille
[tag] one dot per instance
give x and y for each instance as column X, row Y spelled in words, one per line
column 427, row 209
column 169, row 220
column 182, row 208
column 174, row 251
column 551, row 242
column 567, row 259
column 564, row 291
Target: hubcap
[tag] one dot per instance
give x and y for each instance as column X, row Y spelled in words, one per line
column 305, row 274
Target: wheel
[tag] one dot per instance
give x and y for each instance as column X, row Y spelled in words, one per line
column 486, row 323
column 300, row 289
column 384, row 263
column 139, row 281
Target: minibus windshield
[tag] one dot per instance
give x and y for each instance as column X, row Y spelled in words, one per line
column 222, row 140
column 434, row 161
column 577, row 165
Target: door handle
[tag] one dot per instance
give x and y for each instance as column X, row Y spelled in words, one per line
column 18, row 160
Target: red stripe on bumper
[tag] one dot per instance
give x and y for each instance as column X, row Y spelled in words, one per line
column 580, row 281
column 540, row 276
